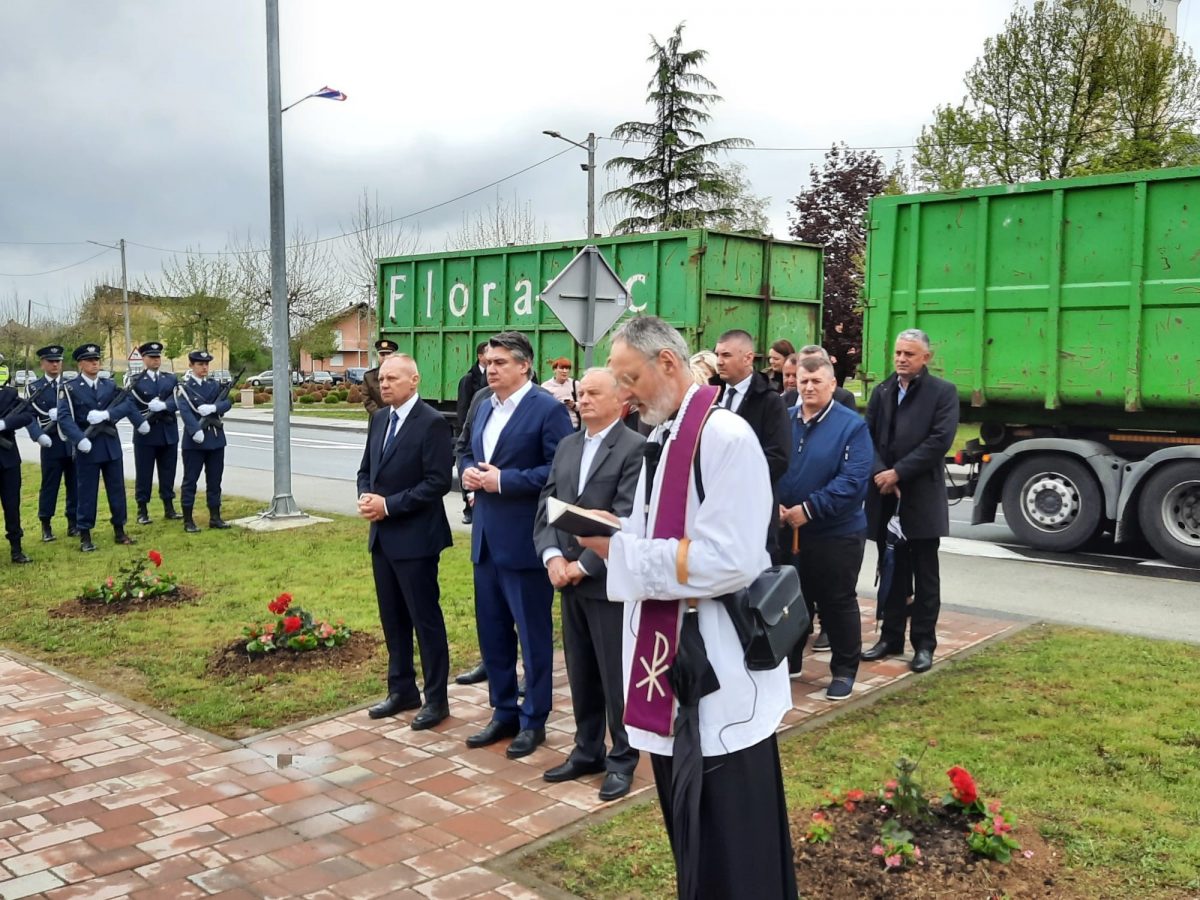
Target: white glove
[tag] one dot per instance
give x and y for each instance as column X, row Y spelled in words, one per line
column 206, row 409
column 45, row 441
column 198, row 437
column 53, row 414
column 84, row 446
column 156, row 405
column 144, row 428
column 96, row 416
column 1, row 425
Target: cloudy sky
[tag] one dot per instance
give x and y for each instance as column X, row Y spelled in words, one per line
column 147, row 120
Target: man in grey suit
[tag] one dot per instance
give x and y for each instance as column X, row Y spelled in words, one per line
column 596, row 468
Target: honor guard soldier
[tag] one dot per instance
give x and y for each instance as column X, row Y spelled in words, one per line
column 202, row 403
column 88, row 410
column 154, row 393
column 373, row 399
column 58, row 460
column 14, row 414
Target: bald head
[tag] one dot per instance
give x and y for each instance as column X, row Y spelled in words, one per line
column 398, row 379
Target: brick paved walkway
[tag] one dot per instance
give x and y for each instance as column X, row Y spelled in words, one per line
column 101, row 799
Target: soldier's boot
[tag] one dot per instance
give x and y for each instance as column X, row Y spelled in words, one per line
column 189, row 525
column 47, row 532
column 85, row 541
column 169, row 510
column 72, row 528
column 143, row 516
column 214, row 518
column 18, row 557
column 120, row 536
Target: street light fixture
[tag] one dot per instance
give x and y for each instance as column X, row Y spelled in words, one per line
column 590, row 168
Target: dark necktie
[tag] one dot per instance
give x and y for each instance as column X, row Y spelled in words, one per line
column 391, row 432
column 730, row 393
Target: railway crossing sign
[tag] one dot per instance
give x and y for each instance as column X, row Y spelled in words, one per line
column 588, row 298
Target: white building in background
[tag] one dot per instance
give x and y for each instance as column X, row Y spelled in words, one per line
column 1168, row 9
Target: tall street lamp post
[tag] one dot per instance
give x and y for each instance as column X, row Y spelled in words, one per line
column 590, row 168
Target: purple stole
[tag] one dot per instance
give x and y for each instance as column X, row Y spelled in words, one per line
column 650, row 704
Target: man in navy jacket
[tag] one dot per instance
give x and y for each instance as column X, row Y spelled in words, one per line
column 513, row 439
column 404, row 474
column 202, row 402
column 821, row 508
column 154, row 393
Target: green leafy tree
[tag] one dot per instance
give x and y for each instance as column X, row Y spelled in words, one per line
column 751, row 217
column 1068, row 88
column 678, row 183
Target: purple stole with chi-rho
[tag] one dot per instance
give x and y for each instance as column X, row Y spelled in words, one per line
column 650, row 704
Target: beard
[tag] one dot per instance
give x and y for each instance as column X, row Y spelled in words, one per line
column 659, row 409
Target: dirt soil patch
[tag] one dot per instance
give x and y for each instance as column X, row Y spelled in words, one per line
column 96, row 609
column 234, row 660
column 845, row 869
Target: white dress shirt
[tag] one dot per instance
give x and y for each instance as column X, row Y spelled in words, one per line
column 591, row 444
column 728, row 551
column 741, row 388
column 501, row 413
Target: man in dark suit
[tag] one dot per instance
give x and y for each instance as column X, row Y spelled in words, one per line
column 58, row 463
column 913, row 417
column 513, row 439
column 469, row 385
column 372, row 399
column 88, row 411
column 404, row 474
column 202, row 402
column 596, row 468
column 14, row 413
column 154, row 393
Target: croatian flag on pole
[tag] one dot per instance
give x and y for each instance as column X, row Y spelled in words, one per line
column 329, row 93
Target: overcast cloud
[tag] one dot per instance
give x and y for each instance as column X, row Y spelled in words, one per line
column 147, row 120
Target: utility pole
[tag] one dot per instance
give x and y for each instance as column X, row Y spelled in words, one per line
column 590, row 168
column 120, row 245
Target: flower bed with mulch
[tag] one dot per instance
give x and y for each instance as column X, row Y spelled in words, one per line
column 89, row 608
column 235, row 659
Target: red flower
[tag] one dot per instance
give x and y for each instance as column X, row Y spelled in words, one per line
column 963, row 788
column 280, row 604
column 155, row 557
column 291, row 623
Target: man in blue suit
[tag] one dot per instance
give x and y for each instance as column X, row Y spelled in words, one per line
column 154, row 393
column 58, row 461
column 404, row 474
column 88, row 410
column 513, row 439
column 201, row 404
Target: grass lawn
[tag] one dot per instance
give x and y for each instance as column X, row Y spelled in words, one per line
column 1093, row 738
column 159, row 657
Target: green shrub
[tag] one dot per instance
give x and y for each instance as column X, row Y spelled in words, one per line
column 332, row 398
column 306, row 398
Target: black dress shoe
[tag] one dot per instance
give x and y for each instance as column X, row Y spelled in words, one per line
column 123, row 538
column 525, row 742
column 143, row 515
column 85, row 541
column 47, row 533
column 395, row 703
column 495, row 731
column 616, row 785
column 922, row 661
column 169, row 510
column 431, row 714
column 19, row 558
column 570, row 770
column 879, row 651
column 467, row 517
column 72, row 529
column 474, row 676
column 215, row 520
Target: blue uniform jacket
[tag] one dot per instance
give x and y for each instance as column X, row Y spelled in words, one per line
column 44, row 400
column 10, row 456
column 829, row 469
column 77, row 399
column 164, row 428
column 190, row 394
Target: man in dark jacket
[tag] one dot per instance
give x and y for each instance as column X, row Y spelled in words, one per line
column 468, row 386
column 14, row 413
column 372, row 399
column 913, row 417
column 821, row 507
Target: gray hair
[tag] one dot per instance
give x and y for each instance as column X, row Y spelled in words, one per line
column 814, row 350
column 916, row 335
column 515, row 343
column 601, row 370
column 650, row 335
column 814, row 363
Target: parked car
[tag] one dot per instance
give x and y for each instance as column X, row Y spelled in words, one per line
column 22, row 377
column 104, row 373
column 69, row 375
column 338, row 377
column 320, row 378
column 221, row 376
column 354, row 375
column 262, row 379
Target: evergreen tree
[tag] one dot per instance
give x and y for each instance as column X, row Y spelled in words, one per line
column 678, row 183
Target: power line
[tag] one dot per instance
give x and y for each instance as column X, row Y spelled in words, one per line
column 50, row 271
column 43, row 243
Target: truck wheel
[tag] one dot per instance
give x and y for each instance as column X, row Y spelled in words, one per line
column 1169, row 512
column 1052, row 502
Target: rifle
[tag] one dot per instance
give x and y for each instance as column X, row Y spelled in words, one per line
column 107, row 427
column 215, row 418
column 162, row 416
column 18, row 407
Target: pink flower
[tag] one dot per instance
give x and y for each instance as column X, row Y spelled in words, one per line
column 1028, row 854
column 894, row 861
column 877, row 850
column 883, row 807
column 108, row 581
column 994, row 807
column 916, row 851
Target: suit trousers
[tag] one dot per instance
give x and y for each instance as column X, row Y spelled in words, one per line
column 212, row 462
column 828, row 570
column 917, row 575
column 88, row 475
column 56, row 470
column 745, row 841
column 512, row 605
column 145, row 460
column 592, row 645
column 10, row 499
column 409, row 595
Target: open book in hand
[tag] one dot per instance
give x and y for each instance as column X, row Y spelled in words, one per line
column 578, row 521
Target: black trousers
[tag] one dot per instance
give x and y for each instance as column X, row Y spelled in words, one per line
column 745, row 844
column 55, row 470
column 212, row 462
column 592, row 644
column 916, row 575
column 828, row 572
column 88, row 475
column 409, row 600
column 10, row 499
column 145, row 460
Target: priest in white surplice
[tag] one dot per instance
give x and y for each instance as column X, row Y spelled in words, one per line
column 745, row 845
